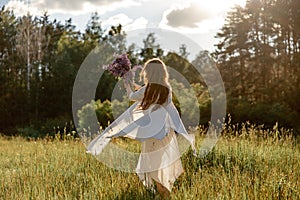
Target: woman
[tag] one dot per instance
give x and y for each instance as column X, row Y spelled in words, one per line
column 152, row 119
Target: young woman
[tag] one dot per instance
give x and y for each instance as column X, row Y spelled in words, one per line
column 152, row 119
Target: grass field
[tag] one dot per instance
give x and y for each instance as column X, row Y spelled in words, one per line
column 249, row 164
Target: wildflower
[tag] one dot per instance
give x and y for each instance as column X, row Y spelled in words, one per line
column 121, row 68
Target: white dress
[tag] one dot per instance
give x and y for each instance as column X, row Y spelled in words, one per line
column 156, row 153
column 155, row 127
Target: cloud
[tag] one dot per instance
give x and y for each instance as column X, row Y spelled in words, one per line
column 198, row 16
column 139, row 23
column 74, row 7
column 127, row 23
column 188, row 17
column 117, row 19
column 21, row 8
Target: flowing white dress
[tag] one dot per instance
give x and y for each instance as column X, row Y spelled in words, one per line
column 150, row 162
column 157, row 128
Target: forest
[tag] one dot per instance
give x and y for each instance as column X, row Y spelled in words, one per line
column 258, row 56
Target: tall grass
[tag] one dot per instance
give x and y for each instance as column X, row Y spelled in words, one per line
column 247, row 163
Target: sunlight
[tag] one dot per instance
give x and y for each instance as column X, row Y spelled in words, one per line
column 220, row 6
column 199, row 16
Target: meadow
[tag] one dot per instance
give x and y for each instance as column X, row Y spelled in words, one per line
column 248, row 162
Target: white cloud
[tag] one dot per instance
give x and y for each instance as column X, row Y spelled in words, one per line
column 21, row 8
column 197, row 16
column 117, row 19
column 73, row 7
column 127, row 23
column 186, row 16
column 139, row 23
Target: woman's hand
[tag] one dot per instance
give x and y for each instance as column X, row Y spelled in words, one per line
column 136, row 86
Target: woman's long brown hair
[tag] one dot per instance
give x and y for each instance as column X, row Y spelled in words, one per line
column 155, row 93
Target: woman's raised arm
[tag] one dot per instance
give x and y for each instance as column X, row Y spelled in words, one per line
column 137, row 95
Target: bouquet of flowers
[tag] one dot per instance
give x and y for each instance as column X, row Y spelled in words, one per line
column 121, row 68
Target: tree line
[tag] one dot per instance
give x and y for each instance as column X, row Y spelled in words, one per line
column 39, row 60
column 258, row 56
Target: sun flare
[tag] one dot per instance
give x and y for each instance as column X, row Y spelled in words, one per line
column 220, row 6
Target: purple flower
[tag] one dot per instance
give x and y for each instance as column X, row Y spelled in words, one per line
column 120, row 66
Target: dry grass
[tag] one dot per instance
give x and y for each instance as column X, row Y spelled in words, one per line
column 247, row 164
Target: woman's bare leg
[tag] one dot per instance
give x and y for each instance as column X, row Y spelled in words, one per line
column 164, row 192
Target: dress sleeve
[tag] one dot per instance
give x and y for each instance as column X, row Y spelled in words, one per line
column 137, row 95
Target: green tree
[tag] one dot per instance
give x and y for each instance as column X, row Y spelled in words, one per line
column 151, row 49
column 257, row 52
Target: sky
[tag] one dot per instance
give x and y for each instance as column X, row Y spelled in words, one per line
column 199, row 20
